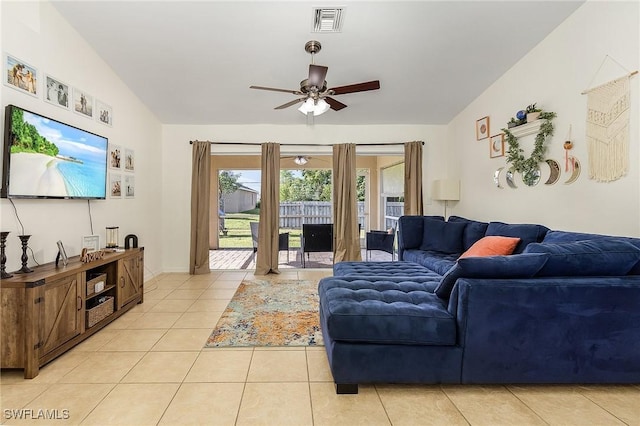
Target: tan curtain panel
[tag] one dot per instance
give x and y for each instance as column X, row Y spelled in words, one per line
column 268, row 230
column 200, row 187
column 346, row 245
column 413, row 178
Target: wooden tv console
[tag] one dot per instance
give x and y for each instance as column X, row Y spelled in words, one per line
column 48, row 311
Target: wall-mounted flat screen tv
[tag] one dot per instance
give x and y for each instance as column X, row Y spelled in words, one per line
column 44, row 158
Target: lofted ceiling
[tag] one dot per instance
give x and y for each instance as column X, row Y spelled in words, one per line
column 192, row 62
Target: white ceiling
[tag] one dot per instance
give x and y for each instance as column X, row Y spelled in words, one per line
column 193, row 62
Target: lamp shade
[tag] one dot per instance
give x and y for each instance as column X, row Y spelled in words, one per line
column 316, row 107
column 446, row 190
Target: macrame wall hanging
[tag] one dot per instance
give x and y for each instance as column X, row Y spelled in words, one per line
column 607, row 128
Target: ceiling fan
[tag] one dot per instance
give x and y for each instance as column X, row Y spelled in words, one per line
column 316, row 97
column 301, row 160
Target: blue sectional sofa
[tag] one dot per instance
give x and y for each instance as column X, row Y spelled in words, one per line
column 563, row 307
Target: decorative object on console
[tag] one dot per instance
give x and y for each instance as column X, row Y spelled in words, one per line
column 91, row 242
column 62, row 254
column 3, row 257
column 112, row 237
column 89, row 256
column 482, row 128
column 24, row 239
column 446, row 190
column 496, row 146
column 529, row 166
column 130, row 241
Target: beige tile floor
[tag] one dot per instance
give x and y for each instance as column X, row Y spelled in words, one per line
column 149, row 367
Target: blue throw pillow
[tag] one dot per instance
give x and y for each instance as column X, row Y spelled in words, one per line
column 499, row 267
column 568, row 237
column 473, row 232
column 445, row 237
column 598, row 257
column 411, row 229
column 528, row 233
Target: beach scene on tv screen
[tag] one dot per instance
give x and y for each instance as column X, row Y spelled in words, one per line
column 51, row 159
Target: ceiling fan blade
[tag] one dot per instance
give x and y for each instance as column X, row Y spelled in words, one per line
column 288, row 104
column 317, row 74
column 359, row 87
column 335, row 105
column 295, row 92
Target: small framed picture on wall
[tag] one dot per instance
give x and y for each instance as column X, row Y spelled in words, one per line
column 129, row 186
column 496, row 146
column 115, row 155
column 56, row 92
column 104, row 113
column 482, row 128
column 115, row 185
column 82, row 102
column 20, row 76
column 129, row 160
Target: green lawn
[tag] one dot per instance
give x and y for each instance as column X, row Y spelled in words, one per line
column 239, row 230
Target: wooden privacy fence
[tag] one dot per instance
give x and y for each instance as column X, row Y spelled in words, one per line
column 294, row 213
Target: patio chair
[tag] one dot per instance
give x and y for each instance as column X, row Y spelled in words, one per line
column 316, row 238
column 381, row 240
column 283, row 240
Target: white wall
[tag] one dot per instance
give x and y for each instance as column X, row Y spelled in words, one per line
column 176, row 154
column 35, row 33
column 554, row 74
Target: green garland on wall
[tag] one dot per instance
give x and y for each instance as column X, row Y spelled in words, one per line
column 528, row 166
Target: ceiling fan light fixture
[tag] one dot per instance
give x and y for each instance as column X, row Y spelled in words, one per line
column 316, row 108
column 300, row 160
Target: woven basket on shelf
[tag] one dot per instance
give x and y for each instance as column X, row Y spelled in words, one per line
column 100, row 312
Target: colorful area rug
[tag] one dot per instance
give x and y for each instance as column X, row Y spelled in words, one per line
column 270, row 313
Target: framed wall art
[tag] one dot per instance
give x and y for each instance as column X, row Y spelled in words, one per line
column 115, row 185
column 115, row 155
column 104, row 113
column 56, row 92
column 129, row 186
column 82, row 103
column 129, row 160
column 482, row 128
column 496, row 146
column 20, row 76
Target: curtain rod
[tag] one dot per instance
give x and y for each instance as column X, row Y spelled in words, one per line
column 297, row 144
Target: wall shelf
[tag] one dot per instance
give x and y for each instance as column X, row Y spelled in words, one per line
column 526, row 129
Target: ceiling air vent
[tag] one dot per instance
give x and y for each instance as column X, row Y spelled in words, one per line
column 328, row 19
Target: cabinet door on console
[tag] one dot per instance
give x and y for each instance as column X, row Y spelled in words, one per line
column 62, row 312
column 130, row 276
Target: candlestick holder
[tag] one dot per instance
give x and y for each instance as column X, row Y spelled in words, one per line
column 3, row 257
column 24, row 239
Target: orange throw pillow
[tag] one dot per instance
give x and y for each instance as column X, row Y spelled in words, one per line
column 492, row 246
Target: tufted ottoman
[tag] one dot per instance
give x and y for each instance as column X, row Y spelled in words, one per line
column 383, row 269
column 383, row 311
